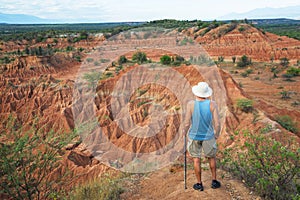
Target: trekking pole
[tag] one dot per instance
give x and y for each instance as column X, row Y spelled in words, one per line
column 185, row 163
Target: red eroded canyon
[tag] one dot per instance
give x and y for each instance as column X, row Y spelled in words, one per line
column 42, row 87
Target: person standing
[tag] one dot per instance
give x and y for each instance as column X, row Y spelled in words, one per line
column 202, row 124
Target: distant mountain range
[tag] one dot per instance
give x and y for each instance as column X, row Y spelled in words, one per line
column 22, row 19
column 292, row 12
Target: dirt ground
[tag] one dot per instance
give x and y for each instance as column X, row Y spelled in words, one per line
column 168, row 183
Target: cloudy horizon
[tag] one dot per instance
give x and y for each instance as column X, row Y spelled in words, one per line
column 134, row 10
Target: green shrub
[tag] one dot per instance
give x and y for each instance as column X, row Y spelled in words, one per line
column 122, row 60
column 244, row 74
column 103, row 60
column 244, row 61
column 89, row 60
column 119, row 68
column 286, row 122
column 27, row 158
column 178, row 60
column 165, row 60
column 69, row 48
column 241, row 29
column 285, row 94
column 293, row 71
column 78, row 58
column 266, row 165
column 220, row 59
column 106, row 187
column 246, row 105
column 139, row 57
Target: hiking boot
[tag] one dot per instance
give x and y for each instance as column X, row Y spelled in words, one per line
column 215, row 184
column 198, row 186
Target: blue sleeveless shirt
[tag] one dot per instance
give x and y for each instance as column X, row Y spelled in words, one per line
column 202, row 124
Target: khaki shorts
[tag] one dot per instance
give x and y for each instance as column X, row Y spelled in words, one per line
column 209, row 147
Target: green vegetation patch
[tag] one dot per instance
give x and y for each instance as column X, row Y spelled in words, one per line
column 105, row 187
column 266, row 165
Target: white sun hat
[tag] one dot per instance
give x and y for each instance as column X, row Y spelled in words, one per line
column 202, row 90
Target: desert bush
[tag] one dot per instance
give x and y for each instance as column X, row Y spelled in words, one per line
column 122, row 60
column 293, row 71
column 295, row 103
column 241, row 29
column 178, row 60
column 202, row 59
column 285, row 94
column 27, row 159
column 266, row 165
column 284, row 61
column 106, row 187
column 119, row 68
column 103, row 60
column 244, row 61
column 165, row 60
column 220, row 59
column 89, row 60
column 78, row 58
column 246, row 105
column 139, row 57
column 5, row 60
column 244, row 74
column 286, row 122
column 69, row 48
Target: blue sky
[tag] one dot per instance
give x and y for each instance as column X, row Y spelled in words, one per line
column 135, row 10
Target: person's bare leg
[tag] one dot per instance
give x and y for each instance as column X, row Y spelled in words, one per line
column 213, row 168
column 197, row 168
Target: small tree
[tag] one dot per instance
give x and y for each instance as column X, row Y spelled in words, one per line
column 27, row 159
column 165, row 60
column 244, row 61
column 139, row 57
column 122, row 60
column 233, row 59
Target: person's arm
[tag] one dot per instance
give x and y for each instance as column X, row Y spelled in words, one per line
column 216, row 118
column 188, row 117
